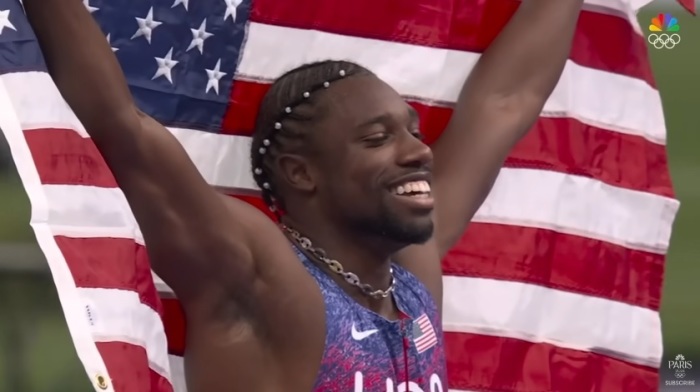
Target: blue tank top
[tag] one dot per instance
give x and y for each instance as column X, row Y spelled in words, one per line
column 365, row 352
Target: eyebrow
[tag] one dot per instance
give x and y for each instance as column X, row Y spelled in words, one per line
column 386, row 117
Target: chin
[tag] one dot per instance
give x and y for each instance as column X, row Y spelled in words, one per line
column 420, row 235
column 414, row 231
column 396, row 225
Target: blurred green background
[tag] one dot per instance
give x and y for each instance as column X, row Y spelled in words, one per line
column 36, row 353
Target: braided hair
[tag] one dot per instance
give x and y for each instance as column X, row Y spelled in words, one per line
column 286, row 113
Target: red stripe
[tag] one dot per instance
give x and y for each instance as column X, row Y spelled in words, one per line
column 501, row 364
column 564, row 145
column 559, row 261
column 258, row 203
column 689, row 5
column 536, row 256
column 602, row 41
column 175, row 325
column 110, row 263
column 62, row 156
column 127, row 365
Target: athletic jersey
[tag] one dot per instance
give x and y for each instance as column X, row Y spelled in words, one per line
column 365, row 352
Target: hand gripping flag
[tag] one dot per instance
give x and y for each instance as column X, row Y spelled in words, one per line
column 554, row 287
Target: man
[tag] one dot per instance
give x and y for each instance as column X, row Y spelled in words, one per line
column 345, row 294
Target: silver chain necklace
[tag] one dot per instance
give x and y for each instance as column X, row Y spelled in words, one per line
column 336, row 267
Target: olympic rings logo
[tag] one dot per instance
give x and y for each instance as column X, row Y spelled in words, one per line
column 660, row 41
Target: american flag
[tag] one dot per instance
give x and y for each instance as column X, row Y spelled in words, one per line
column 423, row 333
column 554, row 287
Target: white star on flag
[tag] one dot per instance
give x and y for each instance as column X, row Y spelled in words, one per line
column 109, row 41
column 165, row 66
column 5, row 21
column 214, row 76
column 231, row 6
column 199, row 36
column 90, row 8
column 146, row 26
column 185, row 3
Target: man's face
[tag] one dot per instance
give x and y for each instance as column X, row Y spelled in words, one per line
column 374, row 170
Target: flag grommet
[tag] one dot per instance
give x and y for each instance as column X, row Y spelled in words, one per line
column 101, row 382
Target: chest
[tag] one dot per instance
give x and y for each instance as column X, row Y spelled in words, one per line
column 365, row 352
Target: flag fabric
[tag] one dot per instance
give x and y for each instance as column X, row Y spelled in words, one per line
column 689, row 5
column 556, row 284
column 423, row 333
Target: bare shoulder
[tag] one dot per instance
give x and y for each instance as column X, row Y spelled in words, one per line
column 279, row 273
column 272, row 328
column 284, row 293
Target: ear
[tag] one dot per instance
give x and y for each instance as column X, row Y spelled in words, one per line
column 297, row 172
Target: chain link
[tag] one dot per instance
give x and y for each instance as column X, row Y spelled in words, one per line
column 335, row 266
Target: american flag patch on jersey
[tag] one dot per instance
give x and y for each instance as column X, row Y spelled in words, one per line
column 423, row 333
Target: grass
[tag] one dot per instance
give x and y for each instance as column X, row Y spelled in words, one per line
column 15, row 212
column 53, row 366
column 676, row 74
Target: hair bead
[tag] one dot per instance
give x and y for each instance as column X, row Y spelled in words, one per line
column 278, row 125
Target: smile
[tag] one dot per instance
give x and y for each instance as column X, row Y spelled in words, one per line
column 415, row 194
column 413, row 189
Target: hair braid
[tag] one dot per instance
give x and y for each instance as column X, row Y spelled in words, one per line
column 286, row 111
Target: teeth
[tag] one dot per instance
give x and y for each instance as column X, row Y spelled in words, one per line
column 419, row 187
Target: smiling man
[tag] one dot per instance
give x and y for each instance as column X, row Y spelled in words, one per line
column 344, row 295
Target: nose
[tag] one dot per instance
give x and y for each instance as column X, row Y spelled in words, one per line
column 414, row 152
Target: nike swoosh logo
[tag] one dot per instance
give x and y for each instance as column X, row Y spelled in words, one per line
column 361, row 335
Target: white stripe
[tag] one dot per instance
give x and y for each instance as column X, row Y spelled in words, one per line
column 598, row 98
column 177, row 368
column 43, row 107
column 581, row 206
column 522, row 197
column 626, row 9
column 119, row 315
column 539, row 314
column 622, row 7
column 63, row 279
column 221, row 159
column 611, row 101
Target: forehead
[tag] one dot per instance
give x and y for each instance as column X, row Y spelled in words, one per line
column 353, row 101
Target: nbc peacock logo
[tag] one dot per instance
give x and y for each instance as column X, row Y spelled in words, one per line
column 664, row 30
column 664, row 22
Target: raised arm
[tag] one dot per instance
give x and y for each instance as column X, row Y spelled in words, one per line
column 194, row 238
column 499, row 103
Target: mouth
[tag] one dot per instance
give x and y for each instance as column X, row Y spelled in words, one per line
column 416, row 194
column 419, row 189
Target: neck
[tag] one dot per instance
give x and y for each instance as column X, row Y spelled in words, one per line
column 366, row 256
